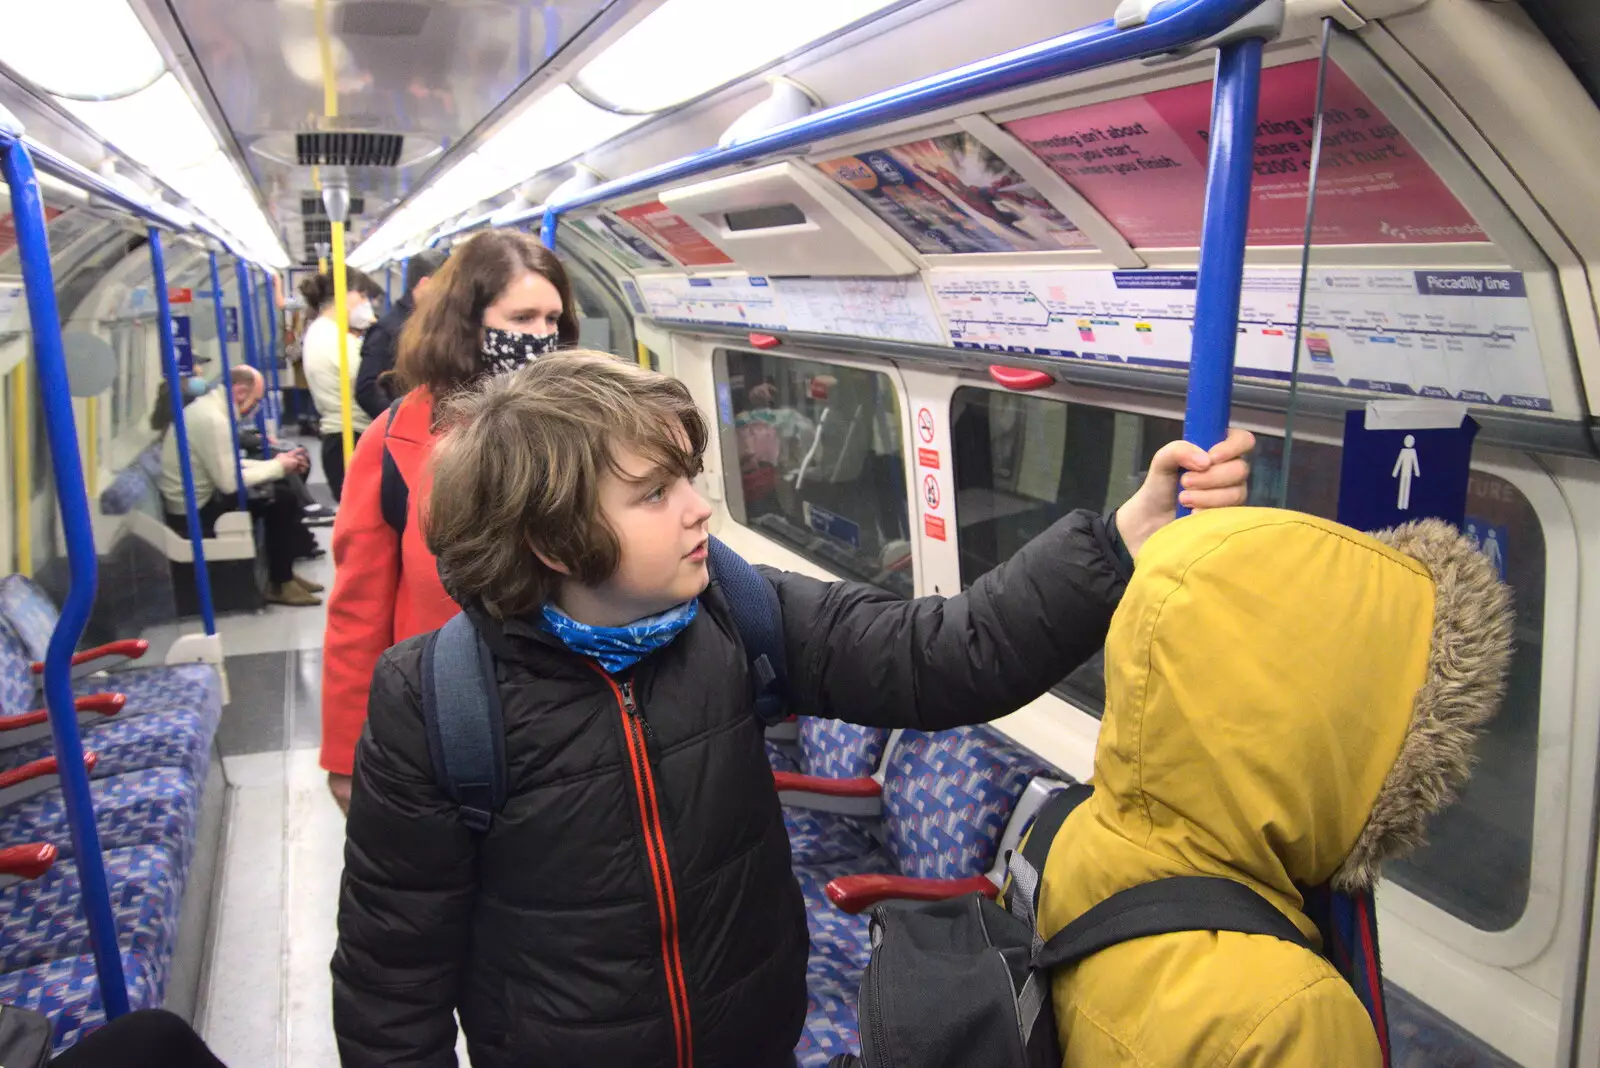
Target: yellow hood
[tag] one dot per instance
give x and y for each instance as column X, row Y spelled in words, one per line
column 1287, row 700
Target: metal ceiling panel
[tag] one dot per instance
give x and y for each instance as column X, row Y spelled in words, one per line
column 420, row 73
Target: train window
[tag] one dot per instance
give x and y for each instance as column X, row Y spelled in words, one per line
column 819, row 463
column 1013, row 479
column 1021, row 463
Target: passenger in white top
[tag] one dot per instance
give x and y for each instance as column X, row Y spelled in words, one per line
column 320, row 358
column 212, row 455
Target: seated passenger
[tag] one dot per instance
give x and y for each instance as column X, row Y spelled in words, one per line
column 216, row 483
column 1287, row 703
column 633, row 903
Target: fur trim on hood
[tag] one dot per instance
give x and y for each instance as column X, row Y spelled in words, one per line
column 1470, row 653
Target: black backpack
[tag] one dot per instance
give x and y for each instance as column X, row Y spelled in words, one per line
column 461, row 700
column 965, row 983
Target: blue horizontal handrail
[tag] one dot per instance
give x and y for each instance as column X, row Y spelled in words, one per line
column 66, row 466
column 80, row 177
column 1170, row 27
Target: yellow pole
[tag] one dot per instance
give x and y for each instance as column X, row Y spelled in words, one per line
column 341, row 302
column 341, row 315
column 91, row 455
column 22, row 467
column 644, row 354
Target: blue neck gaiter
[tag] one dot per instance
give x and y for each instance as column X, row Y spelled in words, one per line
column 619, row 648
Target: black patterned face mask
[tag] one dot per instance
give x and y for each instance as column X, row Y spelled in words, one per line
column 507, row 350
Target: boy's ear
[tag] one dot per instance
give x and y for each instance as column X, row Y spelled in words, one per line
column 549, row 561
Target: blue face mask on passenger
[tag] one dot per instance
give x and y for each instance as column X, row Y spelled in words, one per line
column 195, row 387
column 507, row 350
column 619, row 648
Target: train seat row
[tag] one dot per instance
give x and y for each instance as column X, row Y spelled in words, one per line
column 134, row 496
column 878, row 814
column 147, row 738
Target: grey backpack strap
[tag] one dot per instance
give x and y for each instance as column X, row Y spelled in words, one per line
column 461, row 709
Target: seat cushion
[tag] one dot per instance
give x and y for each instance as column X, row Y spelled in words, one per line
column 947, row 797
column 42, row 920
column 156, row 807
column 781, row 756
column 830, row 1029
column 840, row 946
column 192, row 688
column 68, row 991
column 835, row 749
column 30, row 610
column 135, row 743
column 817, row 837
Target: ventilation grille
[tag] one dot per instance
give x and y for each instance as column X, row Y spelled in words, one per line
column 348, row 149
column 315, row 232
column 311, row 206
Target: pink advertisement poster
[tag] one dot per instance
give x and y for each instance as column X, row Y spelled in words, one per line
column 687, row 244
column 1142, row 162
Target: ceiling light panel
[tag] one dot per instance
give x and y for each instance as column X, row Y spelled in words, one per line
column 85, row 49
column 688, row 47
column 551, row 131
column 158, row 126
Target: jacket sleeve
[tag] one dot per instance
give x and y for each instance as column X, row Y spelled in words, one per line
column 366, row 560
column 377, row 356
column 1323, row 1025
column 405, row 904
column 859, row 653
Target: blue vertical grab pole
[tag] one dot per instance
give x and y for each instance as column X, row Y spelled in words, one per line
column 271, row 338
column 547, row 229
column 388, row 277
column 247, row 323
column 33, row 248
column 180, row 431
column 1222, row 241
column 227, row 379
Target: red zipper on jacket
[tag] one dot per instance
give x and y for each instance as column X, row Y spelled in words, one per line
column 644, row 783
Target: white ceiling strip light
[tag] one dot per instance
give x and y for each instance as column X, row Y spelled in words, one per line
column 108, row 73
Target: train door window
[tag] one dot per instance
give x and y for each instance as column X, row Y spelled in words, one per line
column 817, row 462
column 1021, row 463
column 604, row 323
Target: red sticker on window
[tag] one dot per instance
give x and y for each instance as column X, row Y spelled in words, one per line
column 933, row 526
column 180, row 296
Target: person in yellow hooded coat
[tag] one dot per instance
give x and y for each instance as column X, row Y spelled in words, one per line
column 1287, row 702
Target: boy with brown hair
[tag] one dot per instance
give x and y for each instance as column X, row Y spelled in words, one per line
column 632, row 902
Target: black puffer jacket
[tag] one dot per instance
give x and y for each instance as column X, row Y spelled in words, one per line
column 633, row 904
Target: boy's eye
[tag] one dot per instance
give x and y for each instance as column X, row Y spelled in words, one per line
column 657, row 494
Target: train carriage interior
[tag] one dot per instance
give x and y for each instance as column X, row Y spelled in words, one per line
column 936, row 272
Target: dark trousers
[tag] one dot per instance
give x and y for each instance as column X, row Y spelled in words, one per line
column 333, row 462
column 150, row 1038
column 280, row 514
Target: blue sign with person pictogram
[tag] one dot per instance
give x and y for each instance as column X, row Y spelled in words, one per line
column 1403, row 461
column 183, row 343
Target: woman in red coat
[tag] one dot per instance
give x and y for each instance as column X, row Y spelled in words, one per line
column 500, row 301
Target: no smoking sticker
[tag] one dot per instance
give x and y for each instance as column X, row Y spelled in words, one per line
column 930, row 492
column 925, row 425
